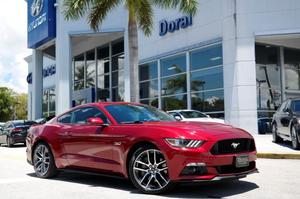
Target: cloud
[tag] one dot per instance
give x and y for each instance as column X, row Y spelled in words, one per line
column 13, row 44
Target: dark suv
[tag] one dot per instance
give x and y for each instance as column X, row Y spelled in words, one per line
column 286, row 122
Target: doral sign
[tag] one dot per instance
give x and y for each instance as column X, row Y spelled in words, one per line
column 49, row 71
column 41, row 26
column 174, row 25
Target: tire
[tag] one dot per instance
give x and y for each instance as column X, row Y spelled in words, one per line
column 276, row 138
column 148, row 171
column 295, row 139
column 9, row 142
column 43, row 161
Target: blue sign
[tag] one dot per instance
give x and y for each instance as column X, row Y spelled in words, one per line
column 41, row 22
column 49, row 70
column 174, row 25
column 29, row 78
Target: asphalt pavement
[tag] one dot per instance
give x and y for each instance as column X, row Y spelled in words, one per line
column 277, row 179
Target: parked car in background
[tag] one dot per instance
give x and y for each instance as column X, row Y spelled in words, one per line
column 15, row 132
column 264, row 125
column 286, row 123
column 44, row 120
column 141, row 143
column 193, row 116
column 1, row 126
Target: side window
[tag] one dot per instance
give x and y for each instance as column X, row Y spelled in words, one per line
column 80, row 116
column 288, row 105
column 174, row 114
column 66, row 118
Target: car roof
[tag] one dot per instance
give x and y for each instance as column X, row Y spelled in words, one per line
column 182, row 110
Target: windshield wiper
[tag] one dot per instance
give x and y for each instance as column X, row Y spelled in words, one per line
column 133, row 122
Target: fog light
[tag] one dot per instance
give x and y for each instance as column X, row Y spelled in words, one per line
column 194, row 168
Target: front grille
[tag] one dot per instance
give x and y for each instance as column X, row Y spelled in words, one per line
column 228, row 169
column 228, row 146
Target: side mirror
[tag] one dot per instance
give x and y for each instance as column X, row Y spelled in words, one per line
column 177, row 117
column 96, row 121
column 287, row 110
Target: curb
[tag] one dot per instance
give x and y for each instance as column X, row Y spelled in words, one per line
column 278, row 156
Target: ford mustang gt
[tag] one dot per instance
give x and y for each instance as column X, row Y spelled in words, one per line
column 140, row 143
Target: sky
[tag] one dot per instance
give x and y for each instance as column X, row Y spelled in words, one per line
column 13, row 45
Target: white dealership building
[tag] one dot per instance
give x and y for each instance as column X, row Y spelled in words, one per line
column 237, row 59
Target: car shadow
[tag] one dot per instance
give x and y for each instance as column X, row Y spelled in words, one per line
column 286, row 144
column 191, row 190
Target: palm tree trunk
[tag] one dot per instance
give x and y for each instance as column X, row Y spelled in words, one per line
column 133, row 58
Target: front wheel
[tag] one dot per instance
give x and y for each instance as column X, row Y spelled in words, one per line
column 9, row 142
column 276, row 138
column 43, row 161
column 295, row 140
column 148, row 171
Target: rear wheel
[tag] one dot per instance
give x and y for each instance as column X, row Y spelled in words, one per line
column 276, row 138
column 43, row 161
column 9, row 142
column 148, row 171
column 294, row 136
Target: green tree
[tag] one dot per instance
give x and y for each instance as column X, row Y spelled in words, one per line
column 140, row 14
column 21, row 106
column 7, row 102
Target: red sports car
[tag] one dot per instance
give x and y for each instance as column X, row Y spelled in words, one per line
column 141, row 143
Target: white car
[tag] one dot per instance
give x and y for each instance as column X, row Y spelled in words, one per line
column 193, row 116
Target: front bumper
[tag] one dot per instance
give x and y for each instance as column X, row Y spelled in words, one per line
column 217, row 167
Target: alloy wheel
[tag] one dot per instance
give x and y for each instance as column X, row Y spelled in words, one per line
column 150, row 170
column 41, row 160
column 294, row 138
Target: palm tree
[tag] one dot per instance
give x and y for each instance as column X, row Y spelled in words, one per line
column 140, row 15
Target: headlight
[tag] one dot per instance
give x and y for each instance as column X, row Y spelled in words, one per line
column 184, row 143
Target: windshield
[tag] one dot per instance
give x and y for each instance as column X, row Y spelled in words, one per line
column 297, row 106
column 129, row 113
column 192, row 114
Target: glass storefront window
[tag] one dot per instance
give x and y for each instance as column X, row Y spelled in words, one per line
column 173, row 65
column 173, row 85
column 174, row 102
column 149, row 89
column 208, row 101
column 207, row 79
column 148, row 71
column 79, row 67
column 90, row 64
column 206, row 57
column 151, row 102
column 292, row 69
column 118, row 62
column 268, row 77
column 48, row 102
column 118, row 47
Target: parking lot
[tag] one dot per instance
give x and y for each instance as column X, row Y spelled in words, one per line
column 277, row 179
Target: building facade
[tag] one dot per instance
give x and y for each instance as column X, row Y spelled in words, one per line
column 237, row 59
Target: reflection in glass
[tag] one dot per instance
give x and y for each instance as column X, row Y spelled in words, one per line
column 118, row 94
column 207, row 79
column 118, row 62
column 151, row 102
column 208, row 101
column 52, row 100
column 148, row 71
column 174, row 85
column 79, row 67
column 173, row 65
column 118, row 47
column 90, row 64
column 206, row 57
column 292, row 69
column 174, row 102
column 78, row 85
column 149, row 89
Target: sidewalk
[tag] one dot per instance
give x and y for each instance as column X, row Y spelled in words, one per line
column 267, row 149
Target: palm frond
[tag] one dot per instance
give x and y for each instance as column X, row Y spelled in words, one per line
column 185, row 6
column 75, row 9
column 144, row 16
column 99, row 11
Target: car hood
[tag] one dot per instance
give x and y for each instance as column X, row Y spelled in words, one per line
column 204, row 119
column 203, row 129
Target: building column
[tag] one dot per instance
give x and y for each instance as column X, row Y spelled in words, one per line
column 64, row 82
column 239, row 72
column 37, row 84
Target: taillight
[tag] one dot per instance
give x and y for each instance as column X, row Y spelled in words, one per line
column 17, row 130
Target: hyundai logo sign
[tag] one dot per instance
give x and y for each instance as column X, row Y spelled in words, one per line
column 49, row 70
column 36, row 7
column 174, row 25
